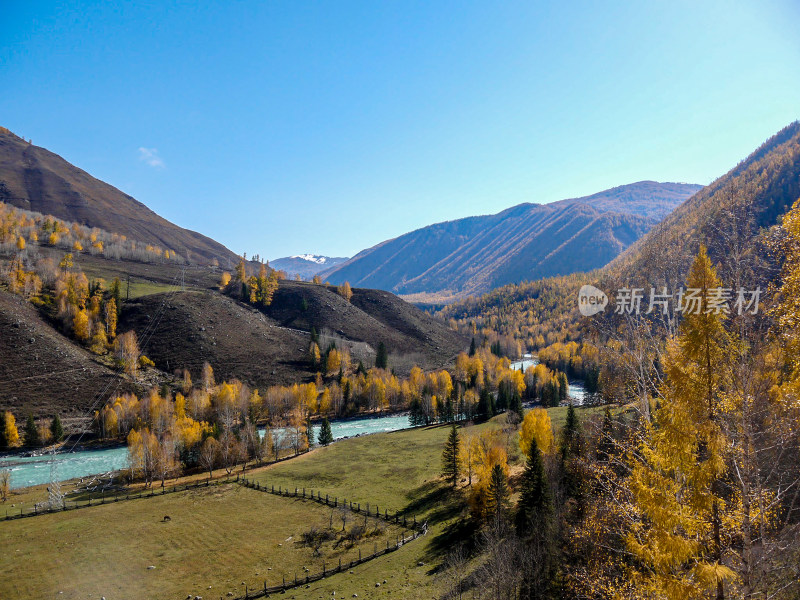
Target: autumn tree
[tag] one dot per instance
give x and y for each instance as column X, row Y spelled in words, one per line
column 451, row 457
column 208, row 455
column 9, row 436
column 126, row 351
column 536, row 425
column 111, row 312
column 5, row 484
column 677, row 471
column 344, row 290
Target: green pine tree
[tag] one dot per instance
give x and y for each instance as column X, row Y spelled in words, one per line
column 325, row 436
column 536, row 527
column 56, row 429
column 485, row 408
column 516, row 405
column 497, row 496
column 472, row 347
column 563, row 387
column 116, row 294
column 605, row 448
column 451, row 465
column 31, row 432
column 382, row 357
column 571, row 447
column 535, row 504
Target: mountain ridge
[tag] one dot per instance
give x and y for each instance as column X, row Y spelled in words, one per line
column 472, row 255
column 37, row 179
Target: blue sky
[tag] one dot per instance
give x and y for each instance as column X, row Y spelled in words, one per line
column 287, row 127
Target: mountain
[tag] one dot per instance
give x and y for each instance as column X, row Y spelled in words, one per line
column 450, row 260
column 36, row 179
column 44, row 372
column 305, row 265
column 732, row 217
column 270, row 346
column 726, row 216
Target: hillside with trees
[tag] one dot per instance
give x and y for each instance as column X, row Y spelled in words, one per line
column 33, row 178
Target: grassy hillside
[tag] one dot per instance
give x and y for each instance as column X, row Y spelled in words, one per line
column 216, row 538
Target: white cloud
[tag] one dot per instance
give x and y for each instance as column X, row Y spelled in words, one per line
column 151, row 157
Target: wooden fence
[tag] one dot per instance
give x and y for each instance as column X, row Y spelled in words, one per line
column 416, row 530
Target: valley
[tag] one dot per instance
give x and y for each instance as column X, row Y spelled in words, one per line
column 431, row 418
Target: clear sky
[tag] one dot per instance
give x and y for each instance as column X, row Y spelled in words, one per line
column 288, row 127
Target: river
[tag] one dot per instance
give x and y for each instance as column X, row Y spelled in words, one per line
column 576, row 389
column 35, row 470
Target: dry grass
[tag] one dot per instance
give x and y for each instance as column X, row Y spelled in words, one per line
column 218, row 536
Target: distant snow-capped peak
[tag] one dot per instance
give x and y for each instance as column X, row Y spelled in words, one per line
column 320, row 260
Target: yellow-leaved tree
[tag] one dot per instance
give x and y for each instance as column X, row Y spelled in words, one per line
column 677, row 469
column 536, row 424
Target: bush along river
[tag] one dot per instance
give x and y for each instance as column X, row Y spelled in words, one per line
column 35, row 470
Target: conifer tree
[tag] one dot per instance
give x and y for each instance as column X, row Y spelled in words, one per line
column 570, row 451
column 536, row 527
column 497, row 496
column 31, row 432
column 605, row 446
column 535, row 502
column 325, row 436
column 382, row 357
column 563, row 387
column 485, row 408
column 56, row 429
column 451, row 461
column 516, row 406
column 472, row 347
column 570, row 434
